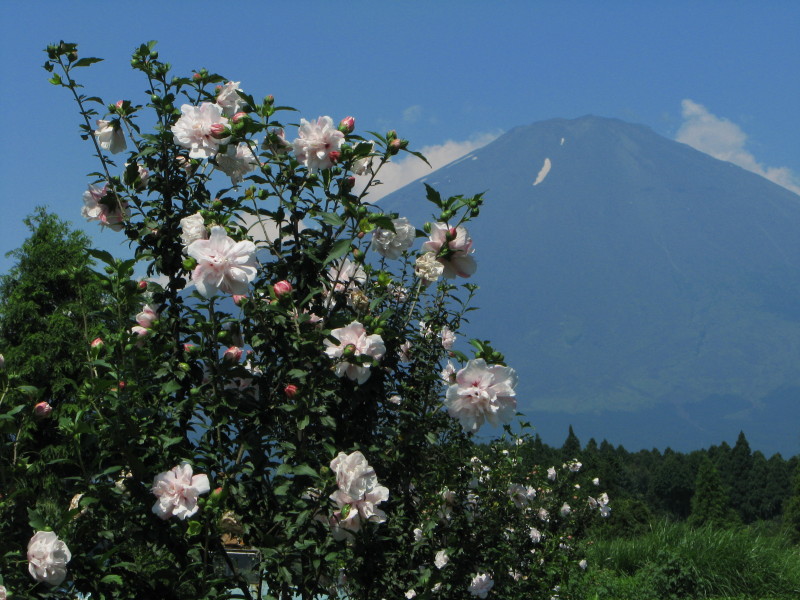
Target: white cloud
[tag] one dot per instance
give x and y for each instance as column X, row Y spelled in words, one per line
column 407, row 168
column 725, row 140
column 412, row 114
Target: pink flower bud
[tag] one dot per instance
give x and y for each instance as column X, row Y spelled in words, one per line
column 348, row 183
column 282, row 287
column 347, row 125
column 239, row 116
column 218, row 130
column 238, row 299
column 232, row 354
column 396, row 145
column 270, row 100
column 119, row 103
column 97, row 343
column 142, row 285
column 42, row 410
column 334, row 156
column 290, row 390
column 197, row 76
column 188, row 347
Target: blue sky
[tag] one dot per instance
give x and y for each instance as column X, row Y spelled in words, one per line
column 448, row 75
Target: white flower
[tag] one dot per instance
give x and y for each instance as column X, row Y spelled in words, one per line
column 193, row 228
column 448, row 337
column 452, row 247
column 237, row 162
column 197, row 128
column 417, row 534
column 357, row 496
column 228, row 98
column 48, row 557
column 602, row 502
column 404, row 352
column 596, row 481
column 392, row 244
column 3, row 592
column 482, row 393
column 515, row 575
column 427, row 268
column 575, row 466
column 437, row 586
column 411, row 594
column 583, row 564
column 363, row 165
column 535, row 535
column 222, row 264
column 448, row 374
column 543, row 515
column 346, row 275
column 354, row 343
column 177, row 491
column 551, row 473
column 441, row 559
column 110, row 136
column 315, row 143
column 520, row 495
column 99, row 205
column 480, row 585
column 395, row 399
column 565, row 510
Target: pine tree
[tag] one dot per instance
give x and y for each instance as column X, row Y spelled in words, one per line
column 738, row 479
column 571, row 447
column 45, row 305
column 710, row 501
column 791, row 510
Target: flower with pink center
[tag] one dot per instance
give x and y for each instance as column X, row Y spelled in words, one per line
column 232, row 354
column 482, row 393
column 346, row 275
column 354, row 345
column 448, row 337
column 177, row 491
column 147, row 317
column 99, row 205
column 196, row 130
column 223, row 265
column 110, row 136
column 315, row 143
column 228, row 98
column 452, row 247
column 48, row 557
column 357, row 496
column 237, row 161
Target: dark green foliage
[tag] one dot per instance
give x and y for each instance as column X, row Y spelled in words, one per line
column 46, row 302
column 571, row 447
column 710, row 502
column 791, row 511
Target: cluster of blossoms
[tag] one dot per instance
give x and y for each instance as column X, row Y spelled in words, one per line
column 355, row 350
column 100, row 205
column 357, row 495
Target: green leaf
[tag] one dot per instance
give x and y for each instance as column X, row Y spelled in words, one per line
column 432, row 195
column 339, row 249
column 194, row 528
column 331, row 219
column 55, row 79
column 85, row 62
column 305, row 470
column 116, row 579
column 101, row 255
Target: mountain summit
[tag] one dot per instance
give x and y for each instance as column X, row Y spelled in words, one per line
column 644, row 291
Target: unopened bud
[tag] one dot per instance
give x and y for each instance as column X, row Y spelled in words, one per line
column 396, row 145
column 349, row 350
column 239, row 116
column 197, row 76
column 238, row 299
column 269, row 100
column 347, row 183
column 334, row 156
column 282, row 287
column 232, row 354
column 121, row 385
column 189, row 263
column 290, row 390
column 347, row 125
column 97, row 343
column 188, row 347
column 218, row 130
column 142, row 285
column 42, row 410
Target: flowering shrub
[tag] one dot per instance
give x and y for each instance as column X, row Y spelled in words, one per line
column 285, row 352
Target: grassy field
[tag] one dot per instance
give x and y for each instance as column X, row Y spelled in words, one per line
column 673, row 561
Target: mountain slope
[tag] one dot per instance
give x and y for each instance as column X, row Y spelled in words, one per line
column 638, row 286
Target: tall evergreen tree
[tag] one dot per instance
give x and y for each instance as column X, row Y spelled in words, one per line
column 571, row 447
column 46, row 302
column 791, row 510
column 710, row 500
column 738, row 478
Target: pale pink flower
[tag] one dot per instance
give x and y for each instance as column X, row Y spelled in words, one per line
column 232, row 354
column 99, row 205
column 316, row 141
column 448, row 374
column 346, row 275
column 147, row 317
column 392, row 244
column 276, row 142
column 48, row 557
column 194, row 132
column 177, row 491
column 448, row 337
column 482, row 393
column 193, row 228
column 452, row 247
column 222, row 264
column 110, row 136
column 237, row 161
column 481, row 584
column 354, row 343
column 228, row 98
column 358, row 494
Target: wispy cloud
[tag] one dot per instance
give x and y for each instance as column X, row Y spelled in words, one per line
column 402, row 171
column 412, row 113
column 725, row 140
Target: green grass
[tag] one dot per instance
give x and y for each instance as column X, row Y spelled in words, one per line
column 674, row 561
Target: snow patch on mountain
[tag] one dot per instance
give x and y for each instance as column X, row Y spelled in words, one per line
column 543, row 171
